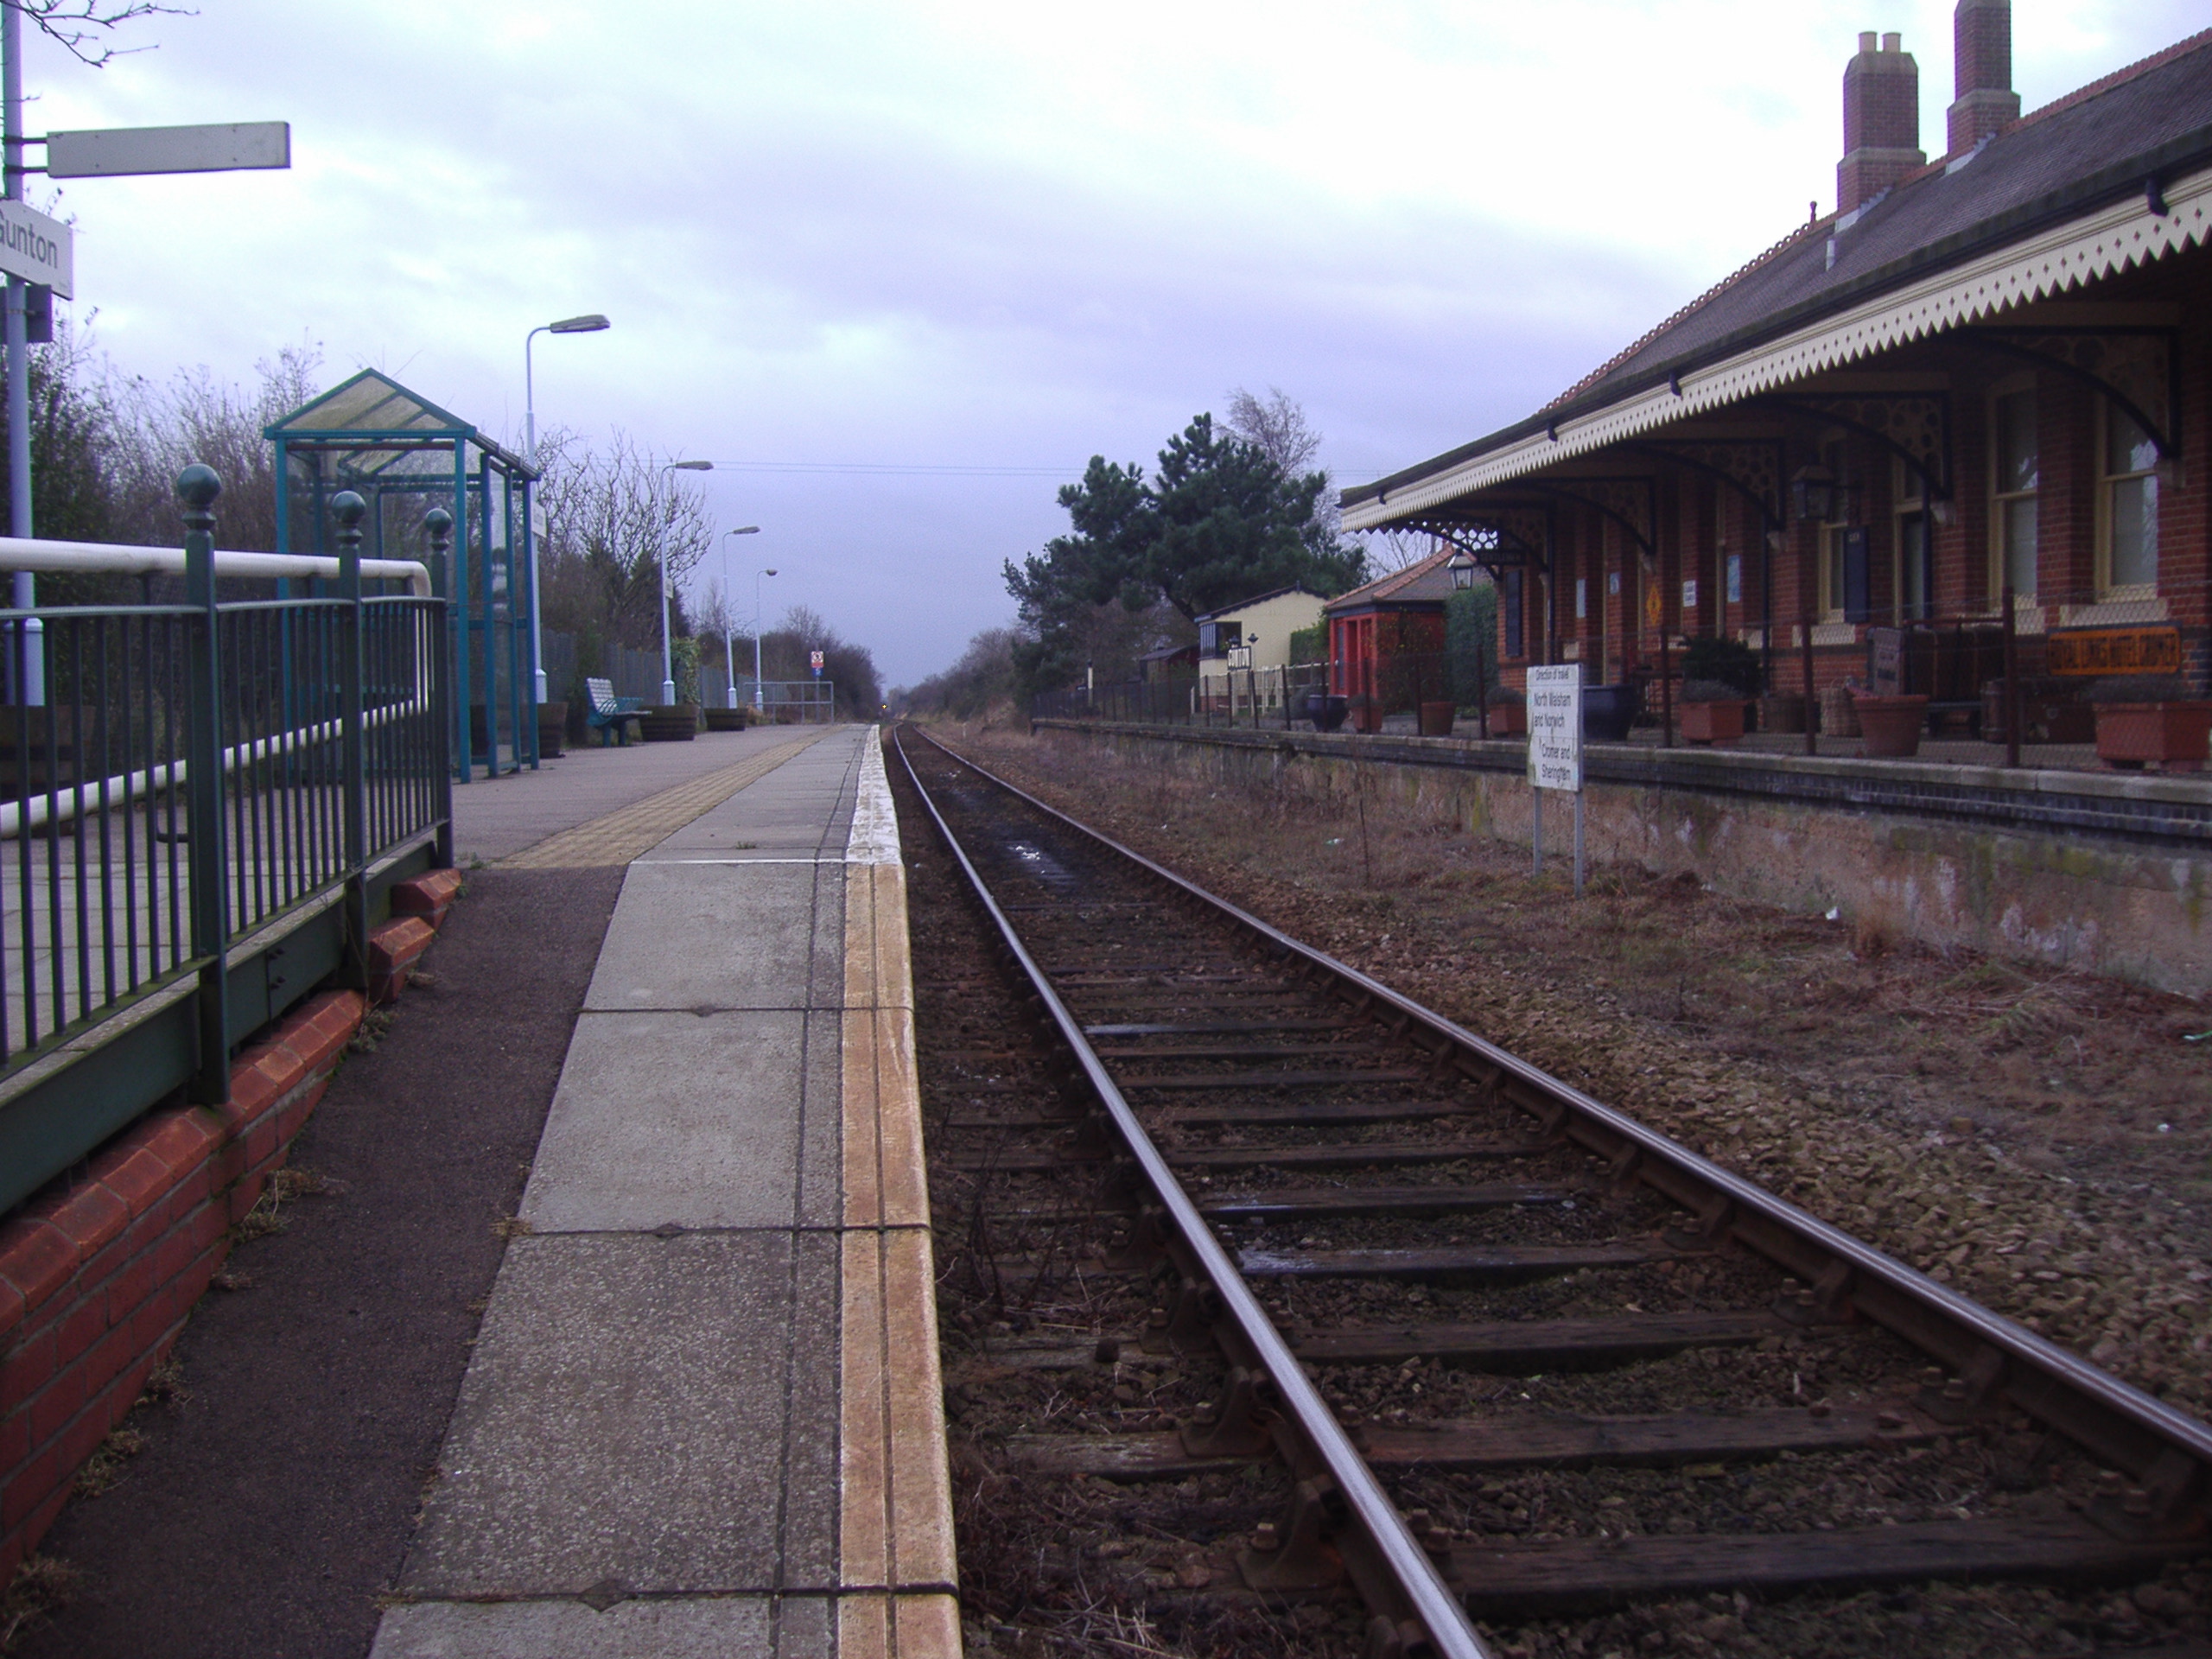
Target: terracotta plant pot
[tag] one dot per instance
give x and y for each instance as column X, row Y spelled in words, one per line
column 1713, row 723
column 669, row 722
column 1508, row 720
column 552, row 729
column 2171, row 736
column 1436, row 719
column 727, row 720
column 1890, row 726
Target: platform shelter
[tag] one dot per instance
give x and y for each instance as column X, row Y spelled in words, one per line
column 408, row 459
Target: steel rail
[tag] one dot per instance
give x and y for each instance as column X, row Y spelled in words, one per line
column 118, row 559
column 1882, row 1288
column 1430, row 1599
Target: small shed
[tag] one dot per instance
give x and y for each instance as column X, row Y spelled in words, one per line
column 405, row 456
column 1386, row 640
column 1253, row 633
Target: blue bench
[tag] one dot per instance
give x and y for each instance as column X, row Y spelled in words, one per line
column 610, row 713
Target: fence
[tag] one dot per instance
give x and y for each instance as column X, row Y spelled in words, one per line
column 790, row 703
column 197, row 780
column 1276, row 697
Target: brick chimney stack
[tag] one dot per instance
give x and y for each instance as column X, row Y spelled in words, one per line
column 1982, row 32
column 1881, row 120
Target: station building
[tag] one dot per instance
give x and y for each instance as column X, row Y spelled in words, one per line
column 1987, row 374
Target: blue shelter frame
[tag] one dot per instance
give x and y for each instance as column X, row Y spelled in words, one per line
column 406, row 456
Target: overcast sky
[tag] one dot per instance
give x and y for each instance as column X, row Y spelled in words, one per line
column 1000, row 238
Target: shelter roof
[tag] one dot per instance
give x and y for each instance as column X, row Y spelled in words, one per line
column 1258, row 599
column 2101, row 143
column 371, row 409
column 1424, row 581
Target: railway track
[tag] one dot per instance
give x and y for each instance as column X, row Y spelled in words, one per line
column 1280, row 1290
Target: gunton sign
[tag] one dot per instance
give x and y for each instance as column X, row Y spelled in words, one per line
column 36, row 248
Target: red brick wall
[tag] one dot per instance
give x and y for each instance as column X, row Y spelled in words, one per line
column 99, row 1273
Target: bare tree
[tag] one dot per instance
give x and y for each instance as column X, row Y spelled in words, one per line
column 1278, row 426
column 159, row 430
column 73, row 24
column 613, row 519
column 1390, row 550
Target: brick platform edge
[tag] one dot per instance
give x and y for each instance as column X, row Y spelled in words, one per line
column 97, row 1273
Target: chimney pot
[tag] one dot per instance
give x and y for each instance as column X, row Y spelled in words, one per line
column 1981, row 37
column 1866, row 40
column 1892, row 42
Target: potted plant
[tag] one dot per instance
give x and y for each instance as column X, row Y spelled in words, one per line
column 669, row 722
column 726, row 720
column 1609, row 711
column 1712, row 712
column 1509, row 712
column 1890, row 726
column 1436, row 717
column 2151, row 720
column 1326, row 710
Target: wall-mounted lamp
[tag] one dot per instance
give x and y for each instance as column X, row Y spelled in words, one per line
column 1814, row 493
column 1940, row 513
column 1462, row 572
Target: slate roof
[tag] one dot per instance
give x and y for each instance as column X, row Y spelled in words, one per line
column 1427, row 582
column 2106, row 141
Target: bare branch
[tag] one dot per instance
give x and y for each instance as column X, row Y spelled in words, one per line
column 72, row 24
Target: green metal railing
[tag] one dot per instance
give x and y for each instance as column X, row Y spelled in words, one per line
column 197, row 802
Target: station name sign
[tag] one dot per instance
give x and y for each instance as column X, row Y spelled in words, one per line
column 37, row 248
column 1556, row 727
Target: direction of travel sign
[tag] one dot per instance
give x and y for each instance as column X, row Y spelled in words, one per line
column 1555, row 726
column 37, row 248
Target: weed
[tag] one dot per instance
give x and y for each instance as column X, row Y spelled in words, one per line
column 371, row 1032
column 508, row 1227
column 104, row 1469
column 42, row 1586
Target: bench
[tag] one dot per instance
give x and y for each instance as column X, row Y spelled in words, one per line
column 609, row 712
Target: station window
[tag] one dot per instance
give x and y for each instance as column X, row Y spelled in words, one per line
column 2014, row 479
column 1835, row 459
column 1915, row 574
column 2128, row 508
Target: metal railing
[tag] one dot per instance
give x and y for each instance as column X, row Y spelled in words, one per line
column 790, row 703
column 186, row 776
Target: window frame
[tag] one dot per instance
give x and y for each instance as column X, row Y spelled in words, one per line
column 2107, row 591
column 1908, row 502
column 2000, row 499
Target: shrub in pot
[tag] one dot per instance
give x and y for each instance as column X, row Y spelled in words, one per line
column 2151, row 720
column 1712, row 712
column 1436, row 717
column 1509, row 712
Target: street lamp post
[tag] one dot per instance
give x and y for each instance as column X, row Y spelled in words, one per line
column 759, row 707
column 667, row 662
column 588, row 324
column 729, row 639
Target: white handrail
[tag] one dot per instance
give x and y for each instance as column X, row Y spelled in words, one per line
column 111, row 558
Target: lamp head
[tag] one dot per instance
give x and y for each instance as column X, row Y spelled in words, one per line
column 589, row 324
column 689, row 467
column 744, row 530
column 767, row 573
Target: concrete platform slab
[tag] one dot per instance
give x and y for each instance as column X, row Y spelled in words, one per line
column 727, row 1119
column 652, row 1414
column 717, row 935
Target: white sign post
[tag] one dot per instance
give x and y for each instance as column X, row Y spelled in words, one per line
column 1555, row 750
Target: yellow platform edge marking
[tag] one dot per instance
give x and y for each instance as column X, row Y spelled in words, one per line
column 630, row 831
column 897, row 1563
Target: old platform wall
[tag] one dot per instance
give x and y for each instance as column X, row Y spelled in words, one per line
column 2107, row 873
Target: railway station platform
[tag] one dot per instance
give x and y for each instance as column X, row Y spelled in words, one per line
column 703, row 1414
